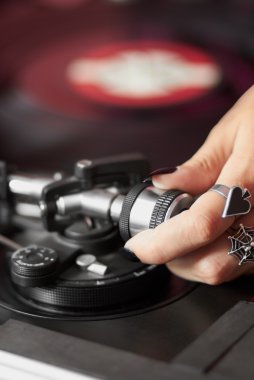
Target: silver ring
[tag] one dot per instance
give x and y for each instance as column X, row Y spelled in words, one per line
column 242, row 245
column 221, row 189
column 237, row 200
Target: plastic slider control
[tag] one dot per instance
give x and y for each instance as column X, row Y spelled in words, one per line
column 89, row 262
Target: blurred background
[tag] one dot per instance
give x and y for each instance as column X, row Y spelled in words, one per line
column 91, row 78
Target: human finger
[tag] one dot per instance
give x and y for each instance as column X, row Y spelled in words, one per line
column 198, row 173
column 213, row 264
column 210, row 265
column 185, row 232
column 231, row 133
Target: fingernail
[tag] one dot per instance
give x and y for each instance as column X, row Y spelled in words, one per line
column 163, row 171
column 128, row 254
column 148, row 180
column 159, row 172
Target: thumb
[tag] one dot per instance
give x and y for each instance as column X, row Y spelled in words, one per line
column 201, row 171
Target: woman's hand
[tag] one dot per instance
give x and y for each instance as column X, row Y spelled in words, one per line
column 194, row 244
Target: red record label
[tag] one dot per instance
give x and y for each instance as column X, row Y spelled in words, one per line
column 143, row 73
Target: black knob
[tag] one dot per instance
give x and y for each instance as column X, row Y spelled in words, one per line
column 32, row 263
column 129, row 200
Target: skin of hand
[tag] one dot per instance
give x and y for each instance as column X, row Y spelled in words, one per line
column 194, row 244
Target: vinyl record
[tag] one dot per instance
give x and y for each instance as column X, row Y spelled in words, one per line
column 157, row 77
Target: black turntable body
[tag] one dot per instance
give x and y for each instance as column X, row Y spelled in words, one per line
column 69, row 299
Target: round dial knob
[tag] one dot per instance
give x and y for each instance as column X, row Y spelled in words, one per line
column 32, row 262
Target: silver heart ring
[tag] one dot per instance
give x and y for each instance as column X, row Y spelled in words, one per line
column 237, row 200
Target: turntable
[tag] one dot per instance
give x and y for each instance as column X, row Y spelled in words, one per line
column 73, row 267
column 64, row 276
column 69, row 300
